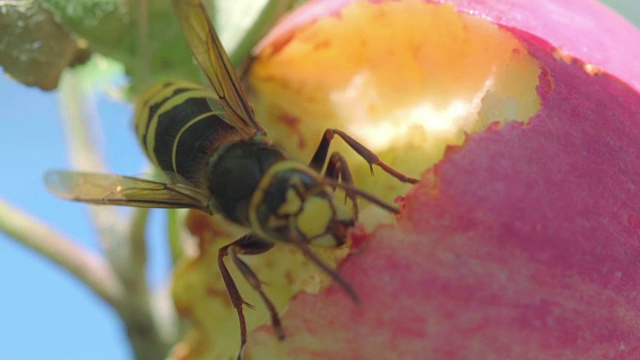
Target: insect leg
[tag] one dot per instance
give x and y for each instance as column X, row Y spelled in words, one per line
column 255, row 283
column 247, row 244
column 320, row 156
column 338, row 169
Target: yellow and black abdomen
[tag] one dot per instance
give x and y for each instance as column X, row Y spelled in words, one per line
column 180, row 129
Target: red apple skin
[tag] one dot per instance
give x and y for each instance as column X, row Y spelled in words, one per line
column 524, row 243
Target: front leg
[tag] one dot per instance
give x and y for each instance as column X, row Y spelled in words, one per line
column 338, row 170
column 320, row 156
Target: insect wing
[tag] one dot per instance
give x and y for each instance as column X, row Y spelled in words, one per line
column 215, row 63
column 112, row 189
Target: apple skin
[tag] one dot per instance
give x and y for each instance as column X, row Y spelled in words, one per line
column 524, row 243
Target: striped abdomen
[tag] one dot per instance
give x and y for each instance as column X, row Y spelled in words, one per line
column 180, row 131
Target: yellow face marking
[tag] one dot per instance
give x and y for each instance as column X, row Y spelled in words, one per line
column 326, row 241
column 258, row 196
column 296, row 183
column 315, row 217
column 342, row 212
column 291, row 205
column 276, row 222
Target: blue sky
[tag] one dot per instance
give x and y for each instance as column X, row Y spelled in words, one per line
column 44, row 312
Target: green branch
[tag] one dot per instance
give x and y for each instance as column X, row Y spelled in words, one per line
column 86, row 266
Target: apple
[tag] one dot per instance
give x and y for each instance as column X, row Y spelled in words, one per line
column 523, row 240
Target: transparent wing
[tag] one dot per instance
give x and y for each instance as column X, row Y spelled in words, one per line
column 215, row 63
column 112, row 189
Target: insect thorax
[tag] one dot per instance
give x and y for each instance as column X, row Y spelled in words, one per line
column 234, row 173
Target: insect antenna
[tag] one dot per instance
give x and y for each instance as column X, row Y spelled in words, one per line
column 363, row 194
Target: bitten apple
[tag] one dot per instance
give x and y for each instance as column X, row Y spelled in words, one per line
column 523, row 240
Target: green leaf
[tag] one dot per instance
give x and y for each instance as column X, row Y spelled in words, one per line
column 34, row 47
column 143, row 35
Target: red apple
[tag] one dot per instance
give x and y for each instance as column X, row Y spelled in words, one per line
column 523, row 241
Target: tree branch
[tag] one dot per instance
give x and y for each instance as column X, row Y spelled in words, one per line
column 123, row 241
column 86, row 266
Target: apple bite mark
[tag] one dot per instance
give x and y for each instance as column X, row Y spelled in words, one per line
column 522, row 243
column 409, row 78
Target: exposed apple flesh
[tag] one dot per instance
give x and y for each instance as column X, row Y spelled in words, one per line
column 415, row 82
column 523, row 242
